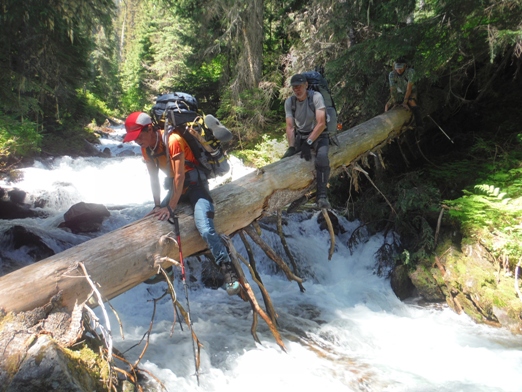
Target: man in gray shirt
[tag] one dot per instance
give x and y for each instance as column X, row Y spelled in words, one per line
column 305, row 122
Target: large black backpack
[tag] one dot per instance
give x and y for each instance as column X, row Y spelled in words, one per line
column 317, row 82
column 179, row 112
column 183, row 106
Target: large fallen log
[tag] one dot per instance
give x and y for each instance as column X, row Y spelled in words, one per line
column 124, row 258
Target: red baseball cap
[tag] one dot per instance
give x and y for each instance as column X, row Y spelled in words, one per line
column 134, row 124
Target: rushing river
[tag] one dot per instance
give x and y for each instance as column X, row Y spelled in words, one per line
column 347, row 332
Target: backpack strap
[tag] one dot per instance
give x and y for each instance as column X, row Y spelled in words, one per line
column 310, row 97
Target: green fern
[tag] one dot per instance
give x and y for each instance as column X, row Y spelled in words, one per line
column 493, row 216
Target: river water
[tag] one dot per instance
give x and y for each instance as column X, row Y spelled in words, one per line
column 347, row 332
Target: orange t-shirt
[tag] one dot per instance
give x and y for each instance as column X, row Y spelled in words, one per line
column 176, row 145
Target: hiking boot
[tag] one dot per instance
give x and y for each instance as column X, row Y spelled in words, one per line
column 322, row 202
column 231, row 282
column 323, row 173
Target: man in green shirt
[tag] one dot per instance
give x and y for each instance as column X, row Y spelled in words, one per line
column 403, row 90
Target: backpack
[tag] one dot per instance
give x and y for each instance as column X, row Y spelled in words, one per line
column 179, row 112
column 183, row 106
column 317, row 82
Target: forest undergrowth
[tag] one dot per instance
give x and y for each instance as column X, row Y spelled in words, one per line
column 462, row 175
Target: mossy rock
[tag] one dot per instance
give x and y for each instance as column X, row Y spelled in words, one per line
column 481, row 290
column 47, row 367
column 429, row 288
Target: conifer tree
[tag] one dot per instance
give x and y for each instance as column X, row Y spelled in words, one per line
column 44, row 55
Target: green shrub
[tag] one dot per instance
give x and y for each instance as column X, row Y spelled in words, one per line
column 267, row 151
column 95, row 105
column 18, row 137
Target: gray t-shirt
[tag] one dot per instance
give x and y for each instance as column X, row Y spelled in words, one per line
column 304, row 115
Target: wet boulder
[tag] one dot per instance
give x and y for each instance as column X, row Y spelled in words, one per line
column 10, row 210
column 126, row 153
column 337, row 227
column 107, row 152
column 401, row 283
column 47, row 367
column 17, row 196
column 18, row 236
column 85, row 217
column 13, row 206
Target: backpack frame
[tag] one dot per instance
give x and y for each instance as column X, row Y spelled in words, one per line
column 178, row 112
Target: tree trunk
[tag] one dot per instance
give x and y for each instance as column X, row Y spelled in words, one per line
column 124, row 258
column 250, row 59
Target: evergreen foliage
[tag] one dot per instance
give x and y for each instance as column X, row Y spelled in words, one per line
column 453, row 45
column 235, row 31
column 45, row 49
column 17, row 138
column 44, row 58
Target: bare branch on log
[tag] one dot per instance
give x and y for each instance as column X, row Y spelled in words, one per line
column 146, row 336
column 357, row 167
column 331, row 231
column 164, row 245
column 287, row 250
column 271, row 254
column 253, row 301
column 173, row 298
column 255, row 275
column 134, row 376
column 266, row 297
column 107, row 334
column 120, row 324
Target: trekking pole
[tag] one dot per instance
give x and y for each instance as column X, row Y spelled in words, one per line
column 175, row 222
column 442, row 130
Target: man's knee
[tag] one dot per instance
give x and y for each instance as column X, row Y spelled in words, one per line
column 205, row 228
column 322, row 162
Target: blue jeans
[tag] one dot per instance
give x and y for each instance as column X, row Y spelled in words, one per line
column 203, row 211
column 199, row 196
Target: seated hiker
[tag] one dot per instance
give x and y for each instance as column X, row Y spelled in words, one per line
column 403, row 90
column 183, row 179
column 304, row 132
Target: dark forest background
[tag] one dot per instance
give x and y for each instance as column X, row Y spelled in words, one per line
column 67, row 63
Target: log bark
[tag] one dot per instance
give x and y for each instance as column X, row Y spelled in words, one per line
column 124, row 258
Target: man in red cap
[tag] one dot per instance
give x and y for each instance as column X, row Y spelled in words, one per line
column 183, row 179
